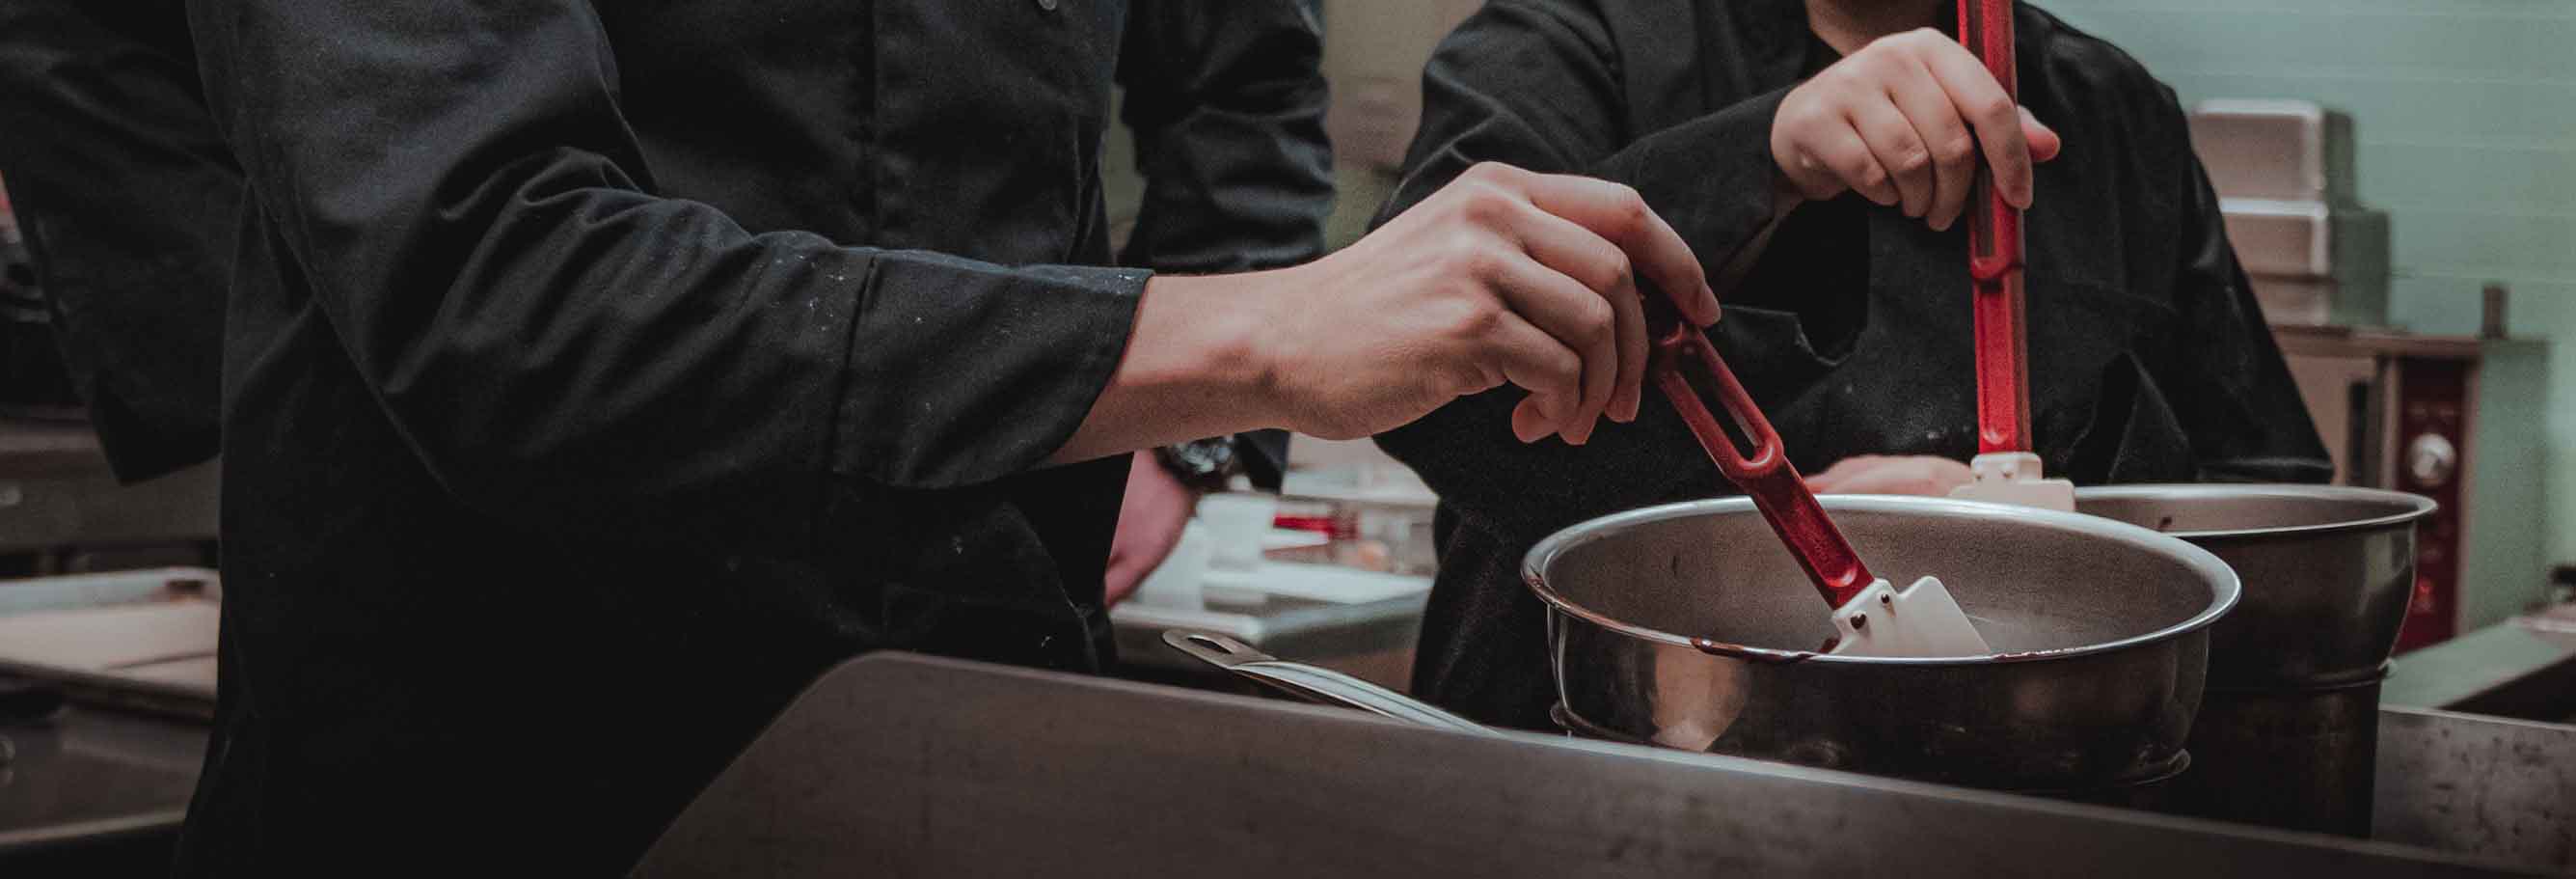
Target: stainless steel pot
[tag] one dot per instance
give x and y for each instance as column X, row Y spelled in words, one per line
column 2327, row 571
column 2288, row 736
column 1689, row 626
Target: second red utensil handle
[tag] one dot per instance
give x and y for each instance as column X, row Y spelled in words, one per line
column 1995, row 258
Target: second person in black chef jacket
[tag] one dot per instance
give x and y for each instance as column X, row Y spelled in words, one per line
column 128, row 199
column 598, row 374
column 1848, row 321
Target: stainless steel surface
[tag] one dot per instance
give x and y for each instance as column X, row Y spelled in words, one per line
column 2489, row 786
column 90, row 775
column 2312, row 263
column 2274, row 149
column 2300, row 239
column 56, row 492
column 1312, row 682
column 2284, row 175
column 2326, row 572
column 2104, row 625
column 1371, row 640
column 908, row 766
column 2288, row 730
column 2292, row 759
column 2523, row 668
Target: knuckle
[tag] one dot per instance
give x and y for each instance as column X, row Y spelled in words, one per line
column 1474, row 319
column 1885, row 63
column 1474, row 257
column 1600, row 322
column 1957, row 148
column 1912, row 158
column 1564, row 372
column 1631, row 213
column 1993, row 107
column 1867, row 175
column 1806, row 122
column 1487, row 203
column 1479, row 263
column 1491, row 173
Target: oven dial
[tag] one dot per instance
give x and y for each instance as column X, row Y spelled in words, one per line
column 2431, row 459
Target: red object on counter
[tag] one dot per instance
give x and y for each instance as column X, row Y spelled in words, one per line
column 1338, row 527
column 1995, row 257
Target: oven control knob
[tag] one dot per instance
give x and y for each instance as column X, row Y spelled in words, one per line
column 2431, row 459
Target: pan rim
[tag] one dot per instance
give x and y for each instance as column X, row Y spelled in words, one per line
column 2416, row 506
column 2222, row 578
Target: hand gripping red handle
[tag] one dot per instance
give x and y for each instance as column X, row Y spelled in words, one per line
column 1766, row 474
column 1995, row 258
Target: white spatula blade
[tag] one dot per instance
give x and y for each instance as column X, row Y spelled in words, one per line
column 2013, row 478
column 1921, row 620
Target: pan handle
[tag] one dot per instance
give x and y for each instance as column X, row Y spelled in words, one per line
column 1314, row 683
column 1765, row 474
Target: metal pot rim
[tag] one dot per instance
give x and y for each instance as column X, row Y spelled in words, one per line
column 2417, row 506
column 2207, row 564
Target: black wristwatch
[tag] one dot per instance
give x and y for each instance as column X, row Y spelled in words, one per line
column 1202, row 465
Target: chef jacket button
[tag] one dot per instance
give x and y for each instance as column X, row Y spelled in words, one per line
column 1048, row 5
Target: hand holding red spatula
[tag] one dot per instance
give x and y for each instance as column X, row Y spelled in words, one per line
column 1870, row 616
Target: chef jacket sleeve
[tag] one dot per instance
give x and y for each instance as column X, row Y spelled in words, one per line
column 1227, row 104
column 1536, row 85
column 129, row 204
column 1226, row 101
column 2220, row 369
column 459, row 190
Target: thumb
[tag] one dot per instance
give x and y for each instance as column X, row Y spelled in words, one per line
column 2044, row 143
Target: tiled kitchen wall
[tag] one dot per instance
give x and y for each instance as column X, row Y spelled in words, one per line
column 2464, row 114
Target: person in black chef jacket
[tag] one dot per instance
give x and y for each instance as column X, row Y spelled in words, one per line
column 597, row 375
column 128, row 200
column 131, row 200
column 1817, row 155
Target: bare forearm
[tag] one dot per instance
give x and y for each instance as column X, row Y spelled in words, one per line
column 1503, row 276
column 1192, row 369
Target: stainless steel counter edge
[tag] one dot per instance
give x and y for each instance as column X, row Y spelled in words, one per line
column 916, row 766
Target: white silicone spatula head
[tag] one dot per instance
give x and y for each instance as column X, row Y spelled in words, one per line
column 1921, row 620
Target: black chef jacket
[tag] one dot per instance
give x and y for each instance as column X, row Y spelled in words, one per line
column 2150, row 359
column 598, row 374
column 129, row 202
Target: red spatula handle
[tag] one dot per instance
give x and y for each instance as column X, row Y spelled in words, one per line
column 1765, row 474
column 1994, row 258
